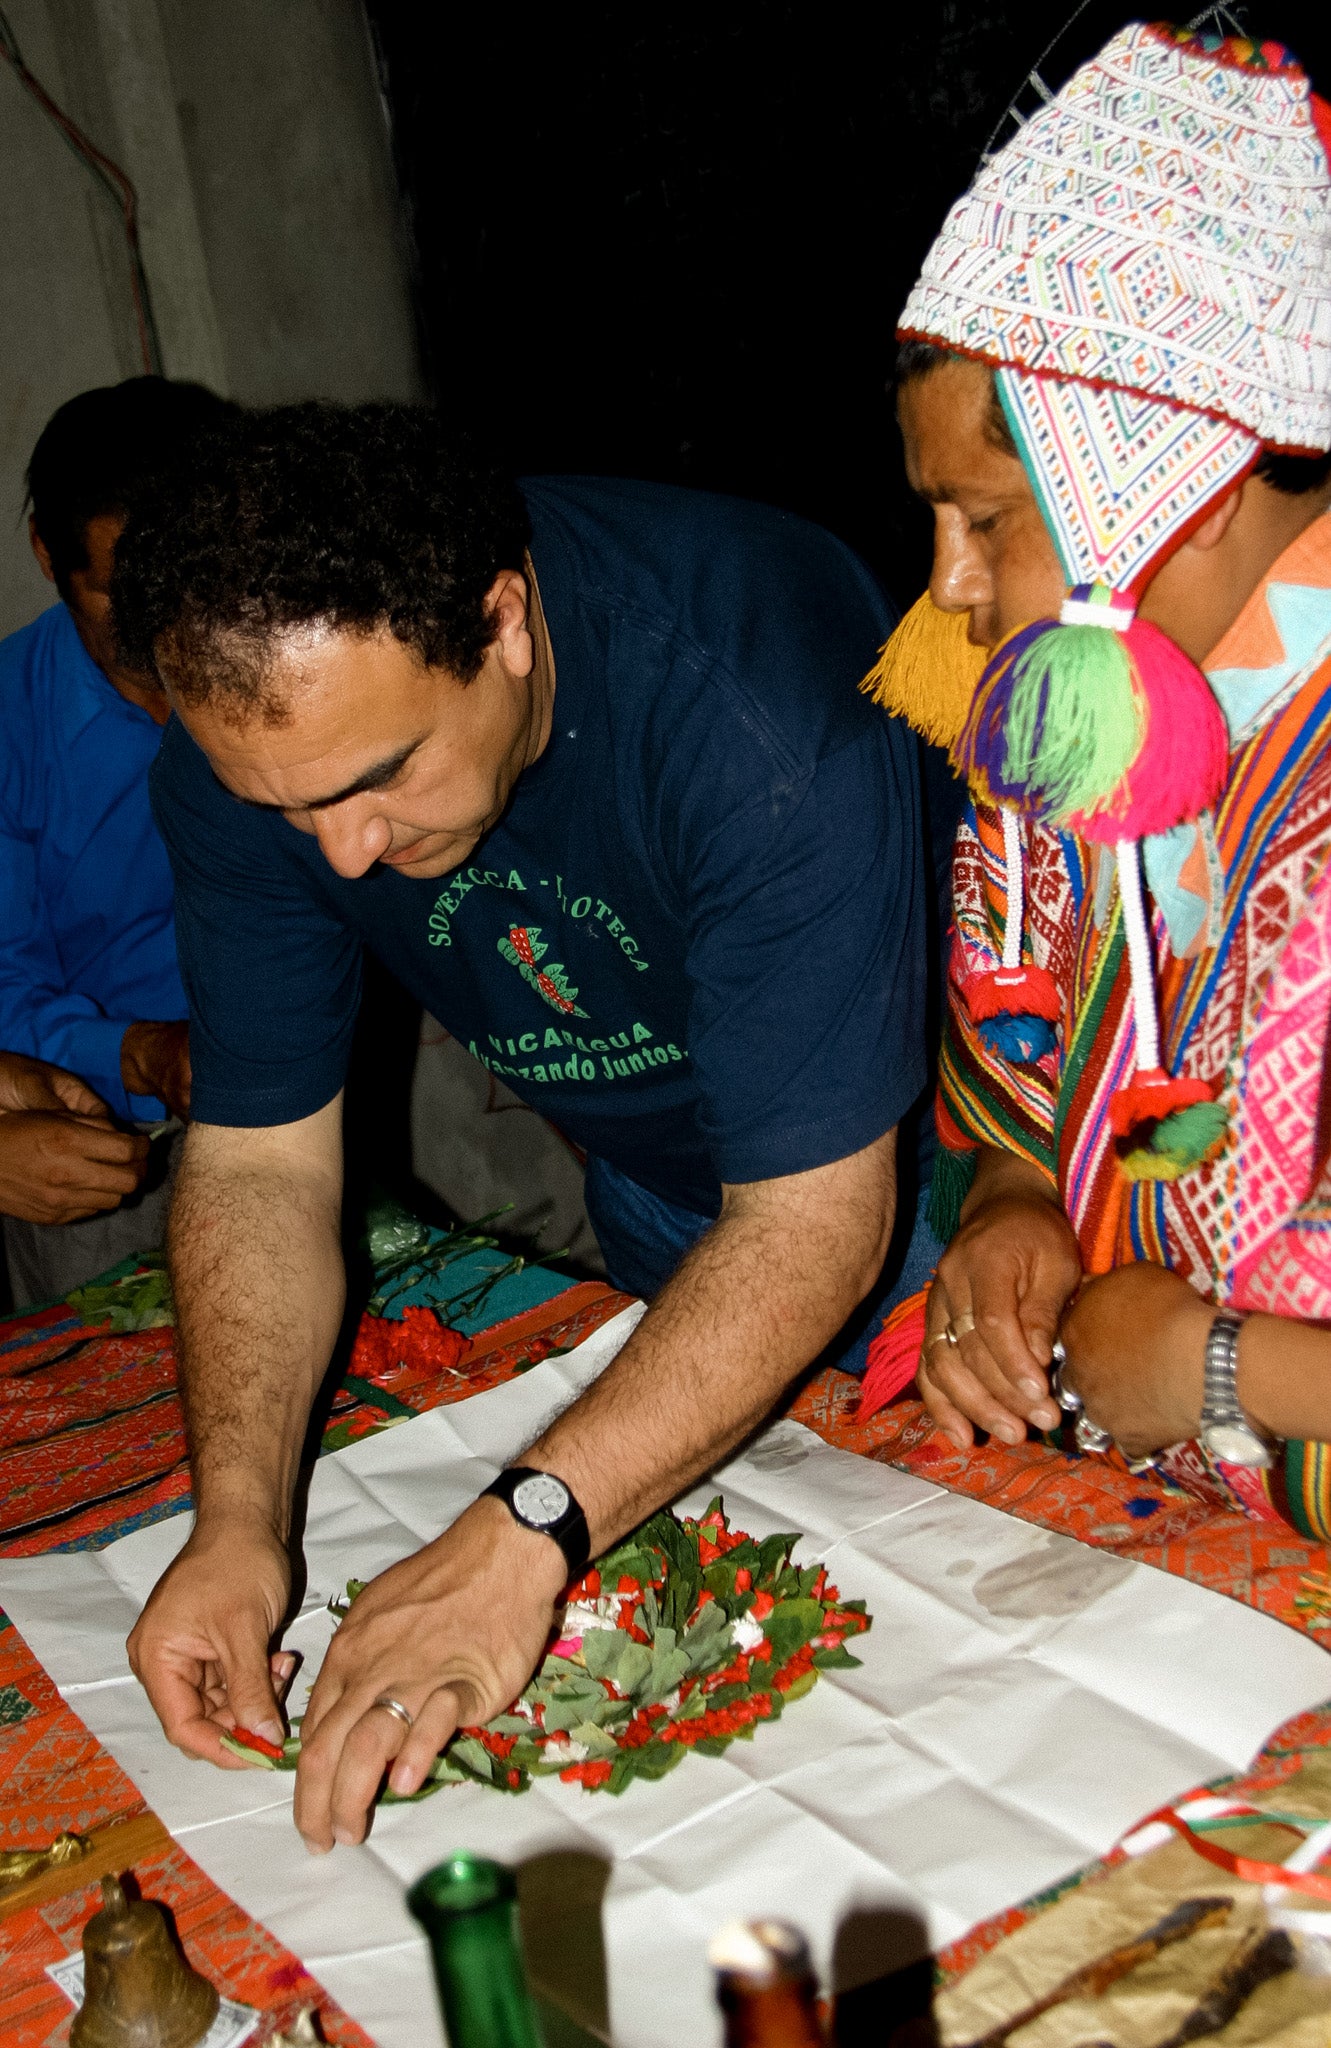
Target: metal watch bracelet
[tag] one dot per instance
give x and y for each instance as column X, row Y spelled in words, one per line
column 1225, row 1430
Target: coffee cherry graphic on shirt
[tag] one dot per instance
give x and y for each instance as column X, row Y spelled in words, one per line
column 523, row 948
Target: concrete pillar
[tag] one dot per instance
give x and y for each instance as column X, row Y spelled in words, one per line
column 269, row 221
column 139, row 86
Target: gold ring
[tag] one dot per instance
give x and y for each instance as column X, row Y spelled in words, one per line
column 396, row 1709
column 939, row 1337
column 962, row 1325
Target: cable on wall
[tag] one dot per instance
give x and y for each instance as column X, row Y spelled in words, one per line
column 113, row 181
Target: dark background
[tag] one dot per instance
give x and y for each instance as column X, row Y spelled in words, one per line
column 673, row 243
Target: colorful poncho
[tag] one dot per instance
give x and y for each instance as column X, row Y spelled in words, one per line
column 1242, row 931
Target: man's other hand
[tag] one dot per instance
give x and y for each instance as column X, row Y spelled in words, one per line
column 61, row 1159
column 1002, row 1284
column 201, row 1647
column 154, row 1060
column 452, row 1634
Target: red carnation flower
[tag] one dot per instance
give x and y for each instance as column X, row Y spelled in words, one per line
column 591, row 1774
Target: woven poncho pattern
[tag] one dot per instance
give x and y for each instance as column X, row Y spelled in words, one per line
column 1162, row 225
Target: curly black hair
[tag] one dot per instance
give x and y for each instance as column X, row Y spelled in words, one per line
column 357, row 518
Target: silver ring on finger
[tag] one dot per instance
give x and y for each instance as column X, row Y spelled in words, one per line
column 1068, row 1399
column 395, row 1708
column 961, row 1326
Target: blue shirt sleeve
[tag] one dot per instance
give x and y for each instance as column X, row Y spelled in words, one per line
column 272, row 975
column 38, row 1014
column 806, row 963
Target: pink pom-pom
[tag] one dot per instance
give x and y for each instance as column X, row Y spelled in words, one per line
column 893, row 1355
column 1183, row 759
column 1152, row 1094
column 1011, row 992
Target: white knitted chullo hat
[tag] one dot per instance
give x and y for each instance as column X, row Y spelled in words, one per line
column 1146, row 265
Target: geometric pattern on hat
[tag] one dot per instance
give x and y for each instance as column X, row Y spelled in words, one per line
column 1120, row 479
column 1162, row 225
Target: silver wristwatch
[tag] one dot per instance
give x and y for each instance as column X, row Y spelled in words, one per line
column 1225, row 1430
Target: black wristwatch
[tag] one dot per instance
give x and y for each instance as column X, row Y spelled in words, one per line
column 541, row 1502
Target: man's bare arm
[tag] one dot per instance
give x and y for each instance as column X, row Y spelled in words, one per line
column 753, row 1302
column 256, row 1265
column 454, row 1632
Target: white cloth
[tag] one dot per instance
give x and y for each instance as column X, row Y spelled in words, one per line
column 1023, row 1701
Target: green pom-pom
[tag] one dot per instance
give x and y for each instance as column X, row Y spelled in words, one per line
column 1179, row 1142
column 1076, row 718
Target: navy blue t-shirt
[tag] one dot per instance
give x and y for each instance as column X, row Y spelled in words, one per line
column 695, row 941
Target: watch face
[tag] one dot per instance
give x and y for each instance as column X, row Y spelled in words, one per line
column 542, row 1499
column 1235, row 1444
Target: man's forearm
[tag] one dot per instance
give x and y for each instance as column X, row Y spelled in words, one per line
column 750, row 1307
column 257, row 1271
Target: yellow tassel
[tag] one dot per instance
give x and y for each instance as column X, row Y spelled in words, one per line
column 928, row 672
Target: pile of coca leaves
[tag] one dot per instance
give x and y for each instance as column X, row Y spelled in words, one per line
column 686, row 1637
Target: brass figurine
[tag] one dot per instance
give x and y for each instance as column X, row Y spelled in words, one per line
column 18, row 1865
column 138, row 1989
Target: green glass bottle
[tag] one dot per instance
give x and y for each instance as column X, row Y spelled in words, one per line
column 467, row 1908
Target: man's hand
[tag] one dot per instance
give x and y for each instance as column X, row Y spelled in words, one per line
column 35, row 1084
column 200, row 1648
column 154, row 1060
column 453, row 1634
column 257, row 1272
column 61, row 1159
column 1005, row 1279
column 1136, row 1345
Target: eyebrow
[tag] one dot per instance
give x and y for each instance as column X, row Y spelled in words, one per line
column 377, row 777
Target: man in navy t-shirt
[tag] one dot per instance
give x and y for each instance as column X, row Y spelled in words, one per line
column 587, row 767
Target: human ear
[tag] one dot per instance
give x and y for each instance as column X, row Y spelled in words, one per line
column 1216, row 523
column 506, row 608
column 40, row 549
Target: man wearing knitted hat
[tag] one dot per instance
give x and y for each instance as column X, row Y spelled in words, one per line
column 1115, row 391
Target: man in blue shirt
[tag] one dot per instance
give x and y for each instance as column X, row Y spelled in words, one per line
column 88, row 975
column 588, row 768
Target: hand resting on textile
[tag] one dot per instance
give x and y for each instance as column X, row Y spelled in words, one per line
column 61, row 1158
column 1136, row 1353
column 1006, row 1278
column 1135, row 1340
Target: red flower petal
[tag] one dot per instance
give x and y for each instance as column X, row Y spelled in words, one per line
column 259, row 1742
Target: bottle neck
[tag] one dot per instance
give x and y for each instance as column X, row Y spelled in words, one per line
column 780, row 2015
column 482, row 1982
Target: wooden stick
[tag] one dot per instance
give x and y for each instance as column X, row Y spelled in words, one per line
column 1094, row 1978
column 115, row 1848
column 1252, row 1965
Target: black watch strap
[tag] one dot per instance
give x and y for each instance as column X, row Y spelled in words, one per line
column 540, row 1501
